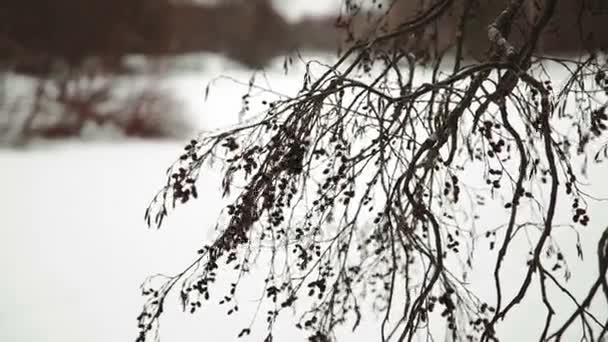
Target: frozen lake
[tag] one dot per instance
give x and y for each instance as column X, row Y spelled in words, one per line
column 74, row 247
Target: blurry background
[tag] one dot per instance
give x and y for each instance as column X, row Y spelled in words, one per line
column 71, row 67
column 97, row 98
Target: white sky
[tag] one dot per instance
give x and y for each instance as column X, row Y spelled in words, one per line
column 294, row 9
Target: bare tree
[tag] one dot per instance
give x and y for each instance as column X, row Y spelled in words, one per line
column 357, row 184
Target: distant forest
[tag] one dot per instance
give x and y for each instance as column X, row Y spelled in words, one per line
column 37, row 36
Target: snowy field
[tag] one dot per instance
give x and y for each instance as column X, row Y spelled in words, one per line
column 74, row 247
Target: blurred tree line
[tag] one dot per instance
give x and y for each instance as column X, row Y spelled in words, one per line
column 68, row 45
column 36, row 35
column 74, row 52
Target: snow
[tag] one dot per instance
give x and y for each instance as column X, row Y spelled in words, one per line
column 74, row 247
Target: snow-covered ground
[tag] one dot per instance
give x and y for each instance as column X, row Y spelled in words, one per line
column 74, row 247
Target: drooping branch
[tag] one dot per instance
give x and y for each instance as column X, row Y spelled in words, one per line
column 353, row 189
